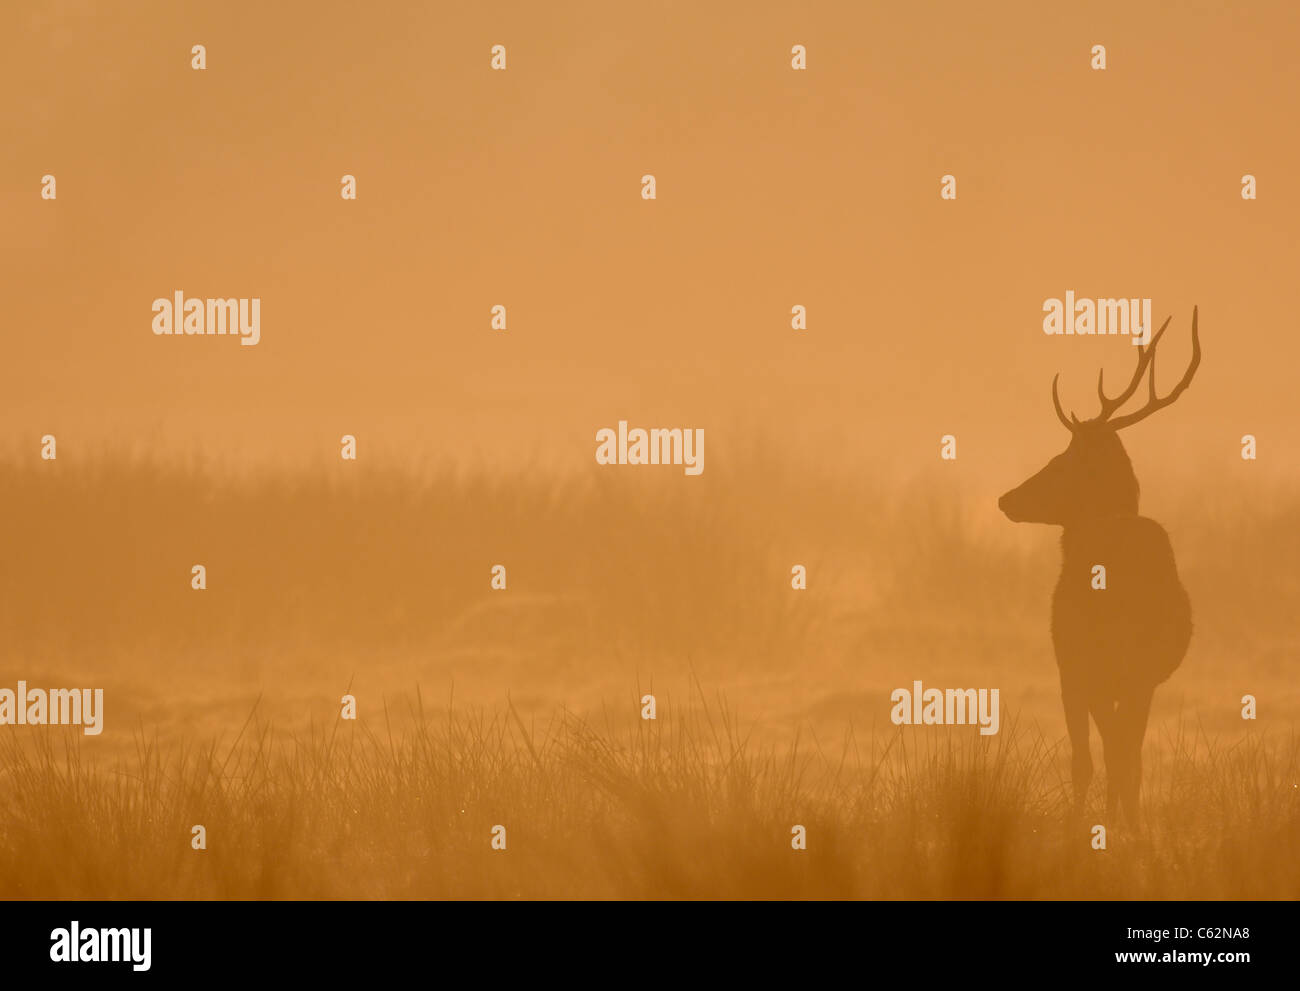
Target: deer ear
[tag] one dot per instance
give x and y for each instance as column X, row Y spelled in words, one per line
column 1074, row 420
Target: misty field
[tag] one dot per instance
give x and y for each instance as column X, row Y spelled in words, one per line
column 520, row 708
column 682, row 807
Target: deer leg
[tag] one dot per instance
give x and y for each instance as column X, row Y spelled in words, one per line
column 1134, row 708
column 1112, row 752
column 1076, row 724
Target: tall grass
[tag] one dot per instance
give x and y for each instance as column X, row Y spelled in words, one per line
column 684, row 806
column 351, row 571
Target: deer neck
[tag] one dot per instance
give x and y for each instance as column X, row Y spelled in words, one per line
column 1081, row 537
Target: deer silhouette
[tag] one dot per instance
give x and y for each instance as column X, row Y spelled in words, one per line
column 1113, row 644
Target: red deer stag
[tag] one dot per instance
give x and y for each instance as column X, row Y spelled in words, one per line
column 1115, row 644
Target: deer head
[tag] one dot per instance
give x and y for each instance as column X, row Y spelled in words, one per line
column 1093, row 477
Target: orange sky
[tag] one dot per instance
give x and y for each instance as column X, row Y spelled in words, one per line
column 775, row 187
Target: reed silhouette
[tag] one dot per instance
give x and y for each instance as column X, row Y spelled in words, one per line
column 1116, row 640
column 223, row 705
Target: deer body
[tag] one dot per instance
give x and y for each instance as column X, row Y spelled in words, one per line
column 1135, row 631
column 1113, row 644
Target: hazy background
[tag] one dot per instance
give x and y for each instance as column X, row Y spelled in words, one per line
column 522, row 187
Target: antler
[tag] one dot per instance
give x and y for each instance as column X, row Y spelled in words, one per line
column 1146, row 359
column 1155, row 402
column 1071, row 423
column 1146, row 367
